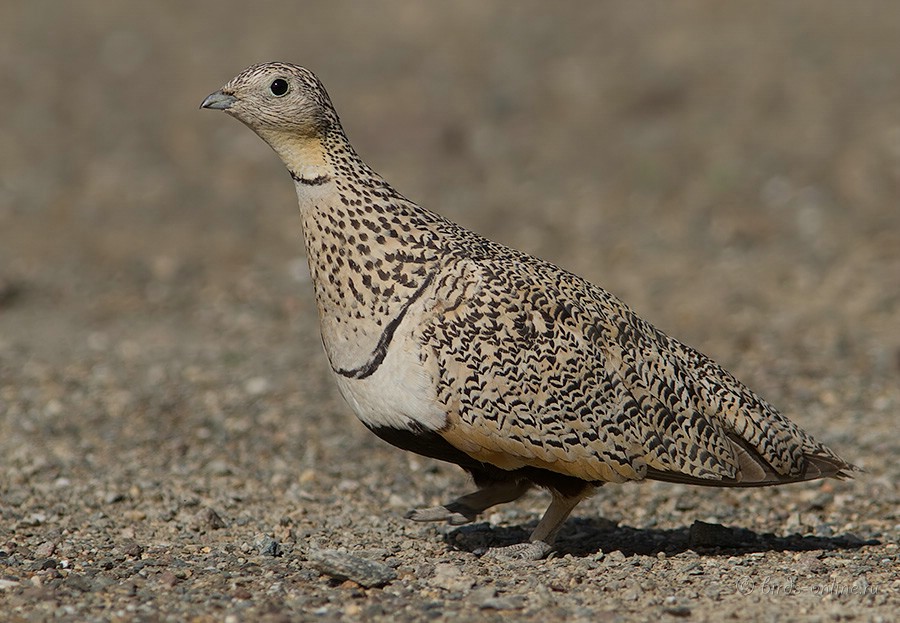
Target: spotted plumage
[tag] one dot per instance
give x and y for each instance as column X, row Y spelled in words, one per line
column 456, row 347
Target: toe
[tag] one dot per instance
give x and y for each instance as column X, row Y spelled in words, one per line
column 438, row 513
column 533, row 550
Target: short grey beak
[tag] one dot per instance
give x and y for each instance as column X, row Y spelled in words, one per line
column 218, row 101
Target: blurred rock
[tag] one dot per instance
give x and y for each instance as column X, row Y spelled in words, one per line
column 342, row 566
column 208, row 518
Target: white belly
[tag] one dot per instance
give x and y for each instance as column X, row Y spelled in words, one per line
column 399, row 394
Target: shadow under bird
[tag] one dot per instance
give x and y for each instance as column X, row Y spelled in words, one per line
column 455, row 347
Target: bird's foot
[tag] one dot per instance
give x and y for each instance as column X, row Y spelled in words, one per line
column 466, row 509
column 454, row 514
column 530, row 551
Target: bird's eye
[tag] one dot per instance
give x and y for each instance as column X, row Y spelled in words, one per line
column 278, row 87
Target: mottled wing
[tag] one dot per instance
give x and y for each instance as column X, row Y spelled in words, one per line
column 539, row 368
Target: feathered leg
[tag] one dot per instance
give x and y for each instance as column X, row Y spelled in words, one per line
column 540, row 543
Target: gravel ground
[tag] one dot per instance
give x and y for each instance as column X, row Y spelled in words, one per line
column 172, row 445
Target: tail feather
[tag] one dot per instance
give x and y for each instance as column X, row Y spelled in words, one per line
column 754, row 471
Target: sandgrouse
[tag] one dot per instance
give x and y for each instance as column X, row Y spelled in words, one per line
column 461, row 349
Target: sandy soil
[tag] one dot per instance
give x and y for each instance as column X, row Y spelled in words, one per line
column 172, row 446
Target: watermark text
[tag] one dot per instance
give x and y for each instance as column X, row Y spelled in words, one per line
column 787, row 586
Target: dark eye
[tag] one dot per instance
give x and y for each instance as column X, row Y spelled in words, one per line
column 278, row 87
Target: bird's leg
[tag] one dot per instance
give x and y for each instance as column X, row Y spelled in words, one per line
column 540, row 543
column 466, row 508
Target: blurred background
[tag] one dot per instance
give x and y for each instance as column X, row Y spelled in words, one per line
column 732, row 170
column 679, row 154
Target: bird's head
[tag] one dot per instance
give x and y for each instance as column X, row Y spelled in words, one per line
column 285, row 104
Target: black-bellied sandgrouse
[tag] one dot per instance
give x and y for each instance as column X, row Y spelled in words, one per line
column 459, row 348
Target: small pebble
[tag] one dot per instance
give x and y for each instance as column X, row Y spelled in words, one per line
column 132, row 549
column 112, row 497
column 79, row 582
column 267, row 546
column 208, row 518
column 343, row 566
column 168, row 578
column 45, row 549
column 505, row 602
column 451, row 578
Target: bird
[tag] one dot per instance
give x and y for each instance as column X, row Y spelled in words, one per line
column 452, row 346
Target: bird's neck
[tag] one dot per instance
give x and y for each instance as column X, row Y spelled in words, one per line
column 304, row 156
column 371, row 252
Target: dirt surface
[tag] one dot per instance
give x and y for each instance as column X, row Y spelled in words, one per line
column 172, row 445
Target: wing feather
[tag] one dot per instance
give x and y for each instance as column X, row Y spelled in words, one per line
column 539, row 368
